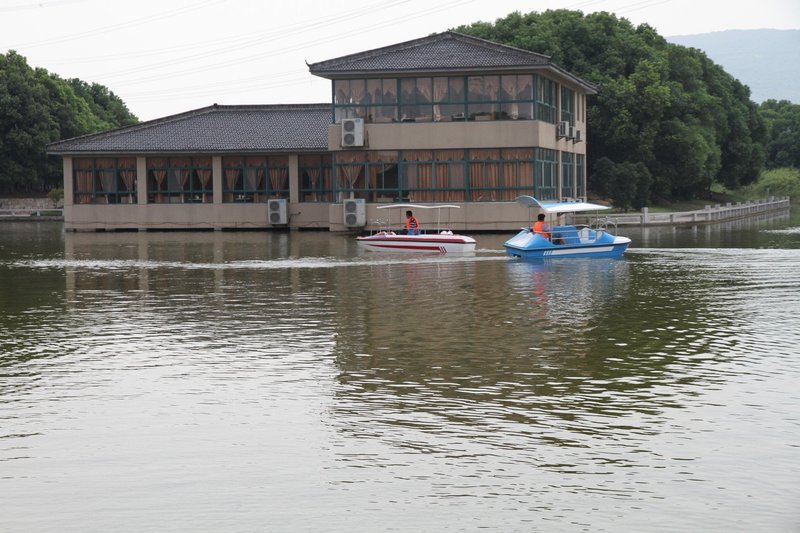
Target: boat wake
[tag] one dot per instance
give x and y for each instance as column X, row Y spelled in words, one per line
column 271, row 264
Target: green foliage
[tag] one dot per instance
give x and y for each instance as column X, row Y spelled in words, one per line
column 38, row 108
column 776, row 182
column 783, row 133
column 56, row 195
column 627, row 184
column 665, row 107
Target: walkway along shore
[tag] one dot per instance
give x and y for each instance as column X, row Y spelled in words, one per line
column 717, row 213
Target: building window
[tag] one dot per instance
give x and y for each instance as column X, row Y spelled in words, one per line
column 433, row 176
column 566, row 175
column 500, row 175
column 545, row 100
column 315, row 178
column 254, row 179
column 580, row 178
column 178, row 180
column 446, row 98
column 104, row 180
column 545, row 187
column 568, row 105
column 496, row 174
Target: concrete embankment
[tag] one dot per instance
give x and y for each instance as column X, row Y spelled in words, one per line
column 17, row 210
column 29, row 209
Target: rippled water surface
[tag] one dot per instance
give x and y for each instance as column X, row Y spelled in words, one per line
column 290, row 382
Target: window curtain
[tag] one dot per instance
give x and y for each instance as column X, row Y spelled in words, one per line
column 419, row 174
column 327, row 184
column 350, row 175
column 350, row 166
column 231, row 177
column 357, row 91
column 313, row 177
column 159, row 175
column 253, row 178
column 83, row 182
column 440, row 86
column 485, row 173
column 510, row 88
column 517, row 172
column 380, row 162
column 450, row 175
column 184, row 178
column 108, row 180
column 278, row 180
column 425, row 92
column 491, row 87
column 204, row 175
column 129, row 180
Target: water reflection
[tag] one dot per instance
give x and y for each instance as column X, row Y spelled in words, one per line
column 292, row 368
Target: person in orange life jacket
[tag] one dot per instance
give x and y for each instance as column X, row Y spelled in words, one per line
column 412, row 225
column 541, row 227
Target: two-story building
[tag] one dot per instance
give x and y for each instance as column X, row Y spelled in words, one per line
column 445, row 118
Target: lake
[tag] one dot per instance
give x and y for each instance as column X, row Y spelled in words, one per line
column 271, row 381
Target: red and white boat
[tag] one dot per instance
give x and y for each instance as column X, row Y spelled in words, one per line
column 440, row 242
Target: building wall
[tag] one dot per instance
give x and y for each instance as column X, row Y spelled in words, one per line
column 456, row 135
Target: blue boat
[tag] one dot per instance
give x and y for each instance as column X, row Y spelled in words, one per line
column 565, row 241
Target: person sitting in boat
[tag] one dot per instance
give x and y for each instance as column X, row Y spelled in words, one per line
column 412, row 225
column 541, row 227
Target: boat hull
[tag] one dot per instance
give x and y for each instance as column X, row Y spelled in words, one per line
column 426, row 243
column 527, row 245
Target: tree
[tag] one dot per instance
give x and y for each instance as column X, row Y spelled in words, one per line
column 782, row 120
column 627, row 184
column 38, row 108
column 26, row 125
column 660, row 105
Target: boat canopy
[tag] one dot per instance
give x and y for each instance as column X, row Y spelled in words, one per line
column 558, row 207
column 418, row 206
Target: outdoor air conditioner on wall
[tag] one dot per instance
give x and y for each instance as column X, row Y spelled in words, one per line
column 276, row 210
column 355, row 212
column 352, row 132
column 576, row 135
column 562, row 130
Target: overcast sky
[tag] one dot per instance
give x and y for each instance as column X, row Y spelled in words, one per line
column 169, row 56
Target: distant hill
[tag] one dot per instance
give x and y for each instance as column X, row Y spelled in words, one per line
column 767, row 61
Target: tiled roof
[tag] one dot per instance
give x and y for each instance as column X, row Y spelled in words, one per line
column 217, row 128
column 442, row 52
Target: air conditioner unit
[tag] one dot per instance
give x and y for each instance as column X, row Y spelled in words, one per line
column 352, row 132
column 577, row 136
column 572, row 130
column 355, row 212
column 276, row 211
column 562, row 130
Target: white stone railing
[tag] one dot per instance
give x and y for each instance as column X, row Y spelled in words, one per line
column 716, row 213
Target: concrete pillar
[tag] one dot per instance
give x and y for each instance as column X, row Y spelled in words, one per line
column 141, row 180
column 216, row 178
column 69, row 193
column 294, row 180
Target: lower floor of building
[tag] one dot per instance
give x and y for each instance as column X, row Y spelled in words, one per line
column 312, row 190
